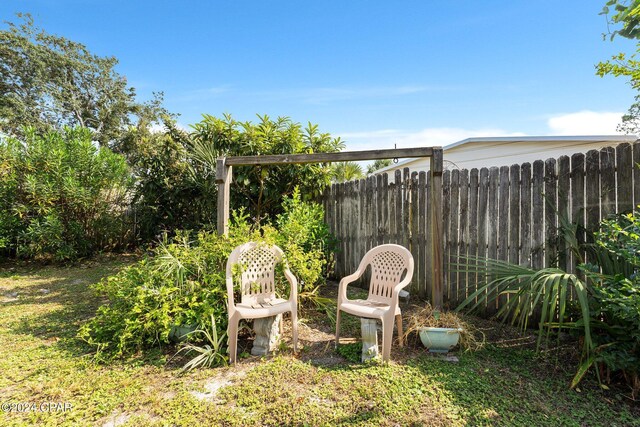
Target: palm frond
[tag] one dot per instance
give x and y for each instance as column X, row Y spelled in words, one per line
column 546, row 290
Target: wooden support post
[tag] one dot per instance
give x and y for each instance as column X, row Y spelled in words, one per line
column 437, row 273
column 223, row 179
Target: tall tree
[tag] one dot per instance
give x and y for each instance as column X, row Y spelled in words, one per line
column 346, row 171
column 48, row 82
column 262, row 188
column 623, row 19
column 377, row 165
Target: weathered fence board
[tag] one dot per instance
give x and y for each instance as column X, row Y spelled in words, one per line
column 624, row 178
column 446, row 220
column 463, row 240
column 550, row 207
column 454, row 215
column 564, row 189
column 537, row 215
column 424, row 271
column 514, row 214
column 525, row 214
column 413, row 222
column 483, row 194
column 578, row 203
column 592, row 185
column 406, row 192
column 400, row 226
column 503, row 220
column 473, row 226
column 607, row 182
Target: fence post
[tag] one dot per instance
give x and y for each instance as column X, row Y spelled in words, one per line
column 223, row 179
column 437, row 273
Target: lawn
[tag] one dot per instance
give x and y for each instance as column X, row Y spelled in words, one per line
column 49, row 377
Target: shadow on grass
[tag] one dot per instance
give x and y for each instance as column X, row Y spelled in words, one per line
column 52, row 302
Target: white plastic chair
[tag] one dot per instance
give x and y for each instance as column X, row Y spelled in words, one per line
column 257, row 263
column 391, row 270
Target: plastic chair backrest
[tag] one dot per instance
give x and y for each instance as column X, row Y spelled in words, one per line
column 257, row 263
column 389, row 265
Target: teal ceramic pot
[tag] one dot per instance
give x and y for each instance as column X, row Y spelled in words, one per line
column 439, row 340
column 178, row 332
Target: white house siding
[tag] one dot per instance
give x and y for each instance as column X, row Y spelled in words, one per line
column 506, row 151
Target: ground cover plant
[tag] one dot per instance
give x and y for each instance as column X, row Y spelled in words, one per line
column 42, row 360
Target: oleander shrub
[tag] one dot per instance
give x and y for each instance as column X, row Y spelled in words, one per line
column 172, row 192
column 61, row 196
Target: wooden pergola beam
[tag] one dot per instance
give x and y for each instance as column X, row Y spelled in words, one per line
column 345, row 156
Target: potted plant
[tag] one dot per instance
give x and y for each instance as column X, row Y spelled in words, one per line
column 441, row 331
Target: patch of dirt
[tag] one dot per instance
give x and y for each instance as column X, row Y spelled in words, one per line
column 117, row 418
column 316, row 334
column 221, row 379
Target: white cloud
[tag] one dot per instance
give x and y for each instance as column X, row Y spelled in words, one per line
column 585, row 123
column 386, row 138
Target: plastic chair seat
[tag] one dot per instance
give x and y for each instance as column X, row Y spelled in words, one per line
column 265, row 309
column 366, row 308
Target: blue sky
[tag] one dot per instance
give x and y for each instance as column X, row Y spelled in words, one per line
column 376, row 73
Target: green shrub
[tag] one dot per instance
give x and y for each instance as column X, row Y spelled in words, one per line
column 616, row 297
column 60, row 195
column 171, row 191
column 183, row 283
column 302, row 231
column 261, row 188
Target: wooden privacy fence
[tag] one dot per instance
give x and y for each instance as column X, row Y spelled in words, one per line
column 509, row 213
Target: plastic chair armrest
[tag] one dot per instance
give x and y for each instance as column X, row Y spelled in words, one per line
column 232, row 303
column 342, row 289
column 293, row 281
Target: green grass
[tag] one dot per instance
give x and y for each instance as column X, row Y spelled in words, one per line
column 42, row 361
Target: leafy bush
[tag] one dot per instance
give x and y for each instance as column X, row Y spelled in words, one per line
column 183, row 282
column 302, row 230
column 60, row 195
column 171, row 192
column 616, row 297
